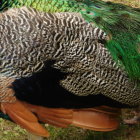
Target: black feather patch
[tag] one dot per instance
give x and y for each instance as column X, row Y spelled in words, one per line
column 43, row 89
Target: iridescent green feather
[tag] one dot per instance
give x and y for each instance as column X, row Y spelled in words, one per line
column 121, row 23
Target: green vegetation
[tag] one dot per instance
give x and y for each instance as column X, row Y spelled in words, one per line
column 10, row 131
column 133, row 3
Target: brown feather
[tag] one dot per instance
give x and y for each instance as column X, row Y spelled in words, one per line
column 26, row 119
column 99, row 118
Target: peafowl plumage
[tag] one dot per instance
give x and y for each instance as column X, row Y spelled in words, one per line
column 93, row 47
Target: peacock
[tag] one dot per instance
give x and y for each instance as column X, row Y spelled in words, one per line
column 68, row 62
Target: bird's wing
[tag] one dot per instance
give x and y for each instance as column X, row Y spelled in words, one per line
column 98, row 118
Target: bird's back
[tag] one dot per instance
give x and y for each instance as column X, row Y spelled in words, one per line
column 77, row 47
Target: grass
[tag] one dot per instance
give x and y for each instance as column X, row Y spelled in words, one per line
column 11, row 131
column 133, row 3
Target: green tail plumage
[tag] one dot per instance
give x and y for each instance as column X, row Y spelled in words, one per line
column 4, row 116
column 121, row 23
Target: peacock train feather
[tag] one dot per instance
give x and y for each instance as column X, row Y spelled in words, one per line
column 121, row 23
